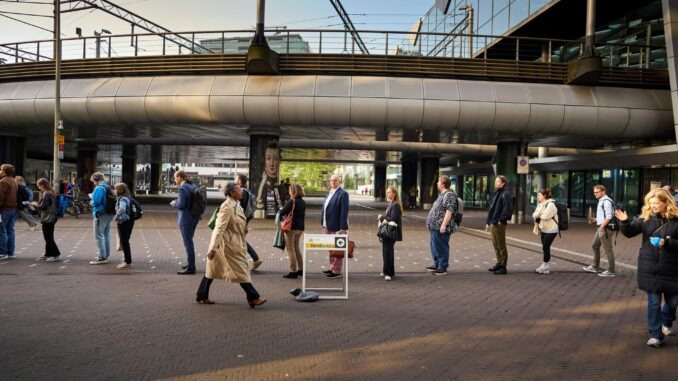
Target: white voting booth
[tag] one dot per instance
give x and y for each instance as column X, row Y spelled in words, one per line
column 324, row 243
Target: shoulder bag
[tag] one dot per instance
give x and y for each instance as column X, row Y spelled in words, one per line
column 286, row 224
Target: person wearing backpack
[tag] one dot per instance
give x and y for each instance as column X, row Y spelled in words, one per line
column 25, row 194
column 603, row 236
column 441, row 225
column 249, row 204
column 545, row 224
column 123, row 216
column 103, row 209
column 186, row 221
column 48, row 218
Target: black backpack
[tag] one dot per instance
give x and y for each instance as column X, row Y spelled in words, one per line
column 109, row 205
column 614, row 224
column 458, row 213
column 198, row 201
column 21, row 196
column 562, row 218
column 135, row 210
column 251, row 204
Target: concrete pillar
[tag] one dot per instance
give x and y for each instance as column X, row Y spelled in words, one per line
column 86, row 164
column 409, row 164
column 264, row 170
column 541, row 179
column 507, row 164
column 380, row 176
column 428, row 181
column 670, row 13
column 156, row 169
column 13, row 150
column 129, row 166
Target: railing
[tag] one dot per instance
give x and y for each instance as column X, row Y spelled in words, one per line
column 313, row 41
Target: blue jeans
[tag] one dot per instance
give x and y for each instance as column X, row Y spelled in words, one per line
column 102, row 234
column 7, row 232
column 440, row 249
column 658, row 316
column 187, row 233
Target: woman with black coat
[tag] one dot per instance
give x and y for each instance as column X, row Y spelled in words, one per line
column 657, row 260
column 393, row 215
column 295, row 205
column 48, row 218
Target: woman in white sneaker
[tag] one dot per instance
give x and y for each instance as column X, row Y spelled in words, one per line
column 546, row 225
column 393, row 215
column 123, row 216
column 48, row 218
column 657, row 260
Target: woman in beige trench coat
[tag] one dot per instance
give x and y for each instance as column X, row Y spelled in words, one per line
column 227, row 252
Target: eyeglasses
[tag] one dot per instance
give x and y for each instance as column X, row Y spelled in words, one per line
column 596, row 192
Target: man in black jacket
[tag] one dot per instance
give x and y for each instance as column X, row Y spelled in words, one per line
column 500, row 212
column 244, row 201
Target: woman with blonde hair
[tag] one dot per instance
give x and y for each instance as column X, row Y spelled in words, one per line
column 546, row 225
column 295, row 205
column 393, row 215
column 227, row 252
column 48, row 218
column 657, row 260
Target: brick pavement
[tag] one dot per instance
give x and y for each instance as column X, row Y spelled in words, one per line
column 71, row 321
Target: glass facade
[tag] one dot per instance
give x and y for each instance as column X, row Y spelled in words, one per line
column 240, row 45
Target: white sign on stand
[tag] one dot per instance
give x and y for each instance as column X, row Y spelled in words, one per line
column 326, row 243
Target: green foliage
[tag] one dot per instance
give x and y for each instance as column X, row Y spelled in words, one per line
column 348, row 182
column 311, row 176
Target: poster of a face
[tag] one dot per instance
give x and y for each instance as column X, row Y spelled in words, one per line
column 269, row 177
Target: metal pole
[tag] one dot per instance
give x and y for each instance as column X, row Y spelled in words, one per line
column 259, row 38
column 57, row 93
column 98, row 43
column 589, row 51
column 469, row 21
column 648, row 41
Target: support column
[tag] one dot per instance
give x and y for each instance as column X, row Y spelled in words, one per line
column 428, row 181
column 156, row 169
column 264, row 170
column 380, row 176
column 541, row 179
column 408, row 161
column 129, row 166
column 506, row 160
column 670, row 12
column 13, row 150
column 87, row 165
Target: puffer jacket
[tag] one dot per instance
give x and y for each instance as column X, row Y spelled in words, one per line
column 657, row 267
column 546, row 211
column 8, row 190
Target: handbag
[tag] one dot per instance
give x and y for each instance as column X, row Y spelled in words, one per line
column 49, row 216
column 386, row 230
column 286, row 224
column 340, row 254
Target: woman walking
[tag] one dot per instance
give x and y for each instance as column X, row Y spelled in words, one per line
column 545, row 224
column 123, row 216
column 297, row 207
column 657, row 260
column 48, row 219
column 393, row 215
column 227, row 252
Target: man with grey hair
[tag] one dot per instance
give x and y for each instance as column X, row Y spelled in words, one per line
column 334, row 219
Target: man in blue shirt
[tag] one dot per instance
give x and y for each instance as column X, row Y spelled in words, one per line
column 603, row 237
column 440, row 224
column 187, row 222
column 102, row 218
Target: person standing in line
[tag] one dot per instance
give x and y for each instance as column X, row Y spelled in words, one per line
column 48, row 218
column 334, row 219
column 187, row 222
column 102, row 219
column 25, row 195
column 8, row 205
column 657, row 260
column 123, row 216
column 247, row 198
column 297, row 206
column 440, row 224
column 546, row 224
column 603, row 236
column 501, row 211
column 227, row 252
column 394, row 214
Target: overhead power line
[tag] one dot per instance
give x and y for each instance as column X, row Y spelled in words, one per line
column 25, row 14
column 25, row 22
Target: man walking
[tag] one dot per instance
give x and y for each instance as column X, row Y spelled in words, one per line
column 187, row 222
column 604, row 213
column 246, row 202
column 501, row 210
column 441, row 225
column 8, row 205
column 103, row 217
column 334, row 219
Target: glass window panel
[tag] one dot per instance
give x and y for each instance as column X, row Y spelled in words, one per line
column 484, row 11
column 500, row 6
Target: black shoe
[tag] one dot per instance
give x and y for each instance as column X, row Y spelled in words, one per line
column 290, row 276
column 501, row 270
column 184, row 267
column 432, row 268
column 300, row 272
column 440, row 272
column 333, row 275
column 494, row 268
column 186, row 271
column 327, row 272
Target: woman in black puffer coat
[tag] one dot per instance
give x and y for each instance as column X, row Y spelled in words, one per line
column 657, row 260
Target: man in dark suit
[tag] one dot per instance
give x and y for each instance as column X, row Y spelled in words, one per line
column 334, row 219
column 187, row 222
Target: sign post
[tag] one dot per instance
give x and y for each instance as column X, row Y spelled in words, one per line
column 326, row 243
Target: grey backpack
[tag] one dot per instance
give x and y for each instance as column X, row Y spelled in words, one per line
column 308, row 296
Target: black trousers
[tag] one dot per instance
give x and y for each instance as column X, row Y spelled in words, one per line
column 124, row 233
column 546, row 241
column 252, row 253
column 204, row 289
column 51, row 248
column 388, row 251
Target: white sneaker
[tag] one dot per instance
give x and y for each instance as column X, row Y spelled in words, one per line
column 654, row 342
column 387, row 278
column 667, row 331
column 606, row 274
column 543, row 269
column 4, row 256
column 43, row 257
column 123, row 266
column 36, row 228
column 52, row 259
column 381, row 274
column 100, row 261
column 591, row 269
